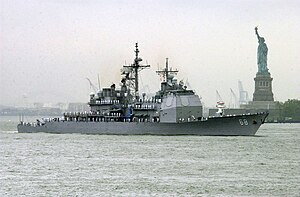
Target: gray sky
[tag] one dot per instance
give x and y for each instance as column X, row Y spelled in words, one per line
column 49, row 47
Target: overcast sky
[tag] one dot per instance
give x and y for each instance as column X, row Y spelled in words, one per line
column 49, row 47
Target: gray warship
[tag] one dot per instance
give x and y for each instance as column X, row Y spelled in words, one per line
column 173, row 110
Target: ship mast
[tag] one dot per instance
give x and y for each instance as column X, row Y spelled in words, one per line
column 165, row 72
column 136, row 68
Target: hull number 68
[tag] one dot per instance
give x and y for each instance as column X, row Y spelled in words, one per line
column 243, row 122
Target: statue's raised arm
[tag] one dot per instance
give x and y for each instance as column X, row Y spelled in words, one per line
column 256, row 32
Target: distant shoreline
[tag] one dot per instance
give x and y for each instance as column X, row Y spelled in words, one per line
column 283, row 122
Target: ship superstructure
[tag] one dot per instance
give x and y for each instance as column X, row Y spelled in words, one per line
column 172, row 103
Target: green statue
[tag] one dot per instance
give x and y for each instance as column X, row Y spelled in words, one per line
column 262, row 53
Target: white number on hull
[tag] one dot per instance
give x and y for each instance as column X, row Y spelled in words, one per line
column 243, row 122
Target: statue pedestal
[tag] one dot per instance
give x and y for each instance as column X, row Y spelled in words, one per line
column 263, row 87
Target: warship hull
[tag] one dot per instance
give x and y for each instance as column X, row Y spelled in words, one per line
column 243, row 125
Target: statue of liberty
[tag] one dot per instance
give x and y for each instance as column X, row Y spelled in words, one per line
column 262, row 53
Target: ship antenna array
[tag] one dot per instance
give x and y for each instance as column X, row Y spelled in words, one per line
column 99, row 82
column 165, row 72
column 136, row 68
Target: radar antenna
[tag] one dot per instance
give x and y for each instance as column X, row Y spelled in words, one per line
column 165, row 72
column 136, row 68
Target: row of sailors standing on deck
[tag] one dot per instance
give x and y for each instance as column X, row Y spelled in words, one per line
column 137, row 106
column 72, row 114
column 107, row 102
column 118, row 102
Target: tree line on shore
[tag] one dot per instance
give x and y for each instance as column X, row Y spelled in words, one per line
column 290, row 109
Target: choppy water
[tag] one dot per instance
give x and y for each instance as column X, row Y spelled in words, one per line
column 100, row 165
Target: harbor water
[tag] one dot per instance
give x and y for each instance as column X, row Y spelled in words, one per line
column 42, row 164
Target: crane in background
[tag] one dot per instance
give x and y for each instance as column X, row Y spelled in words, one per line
column 243, row 99
column 218, row 97
column 220, row 102
column 235, row 102
column 95, row 89
column 92, row 86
